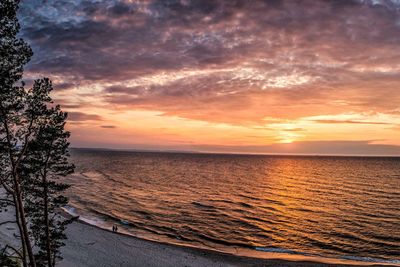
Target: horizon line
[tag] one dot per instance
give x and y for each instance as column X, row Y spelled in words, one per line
column 233, row 153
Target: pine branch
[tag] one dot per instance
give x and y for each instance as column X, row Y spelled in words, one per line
column 8, row 137
column 6, row 187
column 25, row 146
column 9, row 202
column 15, row 251
column 5, row 222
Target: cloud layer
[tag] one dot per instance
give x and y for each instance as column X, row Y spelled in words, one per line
column 241, row 63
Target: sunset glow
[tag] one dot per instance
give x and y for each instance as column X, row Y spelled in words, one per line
column 199, row 133
column 308, row 77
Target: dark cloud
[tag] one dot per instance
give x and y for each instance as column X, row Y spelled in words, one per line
column 227, row 61
column 108, row 126
column 122, row 89
column 74, row 106
column 311, row 148
column 110, row 40
column 121, row 9
column 80, row 116
column 315, row 148
column 63, row 86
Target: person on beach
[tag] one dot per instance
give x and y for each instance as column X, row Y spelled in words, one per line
column 116, row 228
column 113, row 228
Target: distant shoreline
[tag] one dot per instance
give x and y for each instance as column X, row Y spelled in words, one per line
column 80, row 233
column 233, row 153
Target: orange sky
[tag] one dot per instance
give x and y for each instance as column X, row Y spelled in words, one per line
column 309, row 77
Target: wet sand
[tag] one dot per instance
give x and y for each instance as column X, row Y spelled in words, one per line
column 91, row 246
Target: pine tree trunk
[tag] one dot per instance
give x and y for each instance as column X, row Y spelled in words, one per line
column 18, row 202
column 24, row 227
column 46, row 217
column 17, row 219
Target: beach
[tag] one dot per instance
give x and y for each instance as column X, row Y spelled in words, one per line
column 90, row 246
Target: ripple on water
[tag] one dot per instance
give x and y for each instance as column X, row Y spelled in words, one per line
column 340, row 207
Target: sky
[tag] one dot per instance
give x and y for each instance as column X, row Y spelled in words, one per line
column 276, row 76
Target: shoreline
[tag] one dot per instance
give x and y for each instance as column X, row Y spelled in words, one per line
column 89, row 245
column 177, row 254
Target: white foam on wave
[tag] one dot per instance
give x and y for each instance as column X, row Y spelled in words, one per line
column 70, row 210
column 93, row 220
column 369, row 259
column 346, row 257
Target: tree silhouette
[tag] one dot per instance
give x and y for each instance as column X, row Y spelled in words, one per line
column 14, row 54
column 46, row 162
column 33, row 151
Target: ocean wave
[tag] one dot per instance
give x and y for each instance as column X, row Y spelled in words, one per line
column 317, row 256
column 203, row 206
column 369, row 259
column 100, row 223
column 317, row 205
column 277, row 250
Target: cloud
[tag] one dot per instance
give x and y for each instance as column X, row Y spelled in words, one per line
column 352, row 122
column 294, row 130
column 243, row 63
column 80, row 116
column 97, row 40
column 63, row 86
column 108, row 126
column 316, row 148
column 311, row 148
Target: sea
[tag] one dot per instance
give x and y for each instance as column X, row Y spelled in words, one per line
column 322, row 206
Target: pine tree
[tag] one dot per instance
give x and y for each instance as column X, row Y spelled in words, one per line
column 14, row 137
column 46, row 162
column 6, row 260
column 33, row 151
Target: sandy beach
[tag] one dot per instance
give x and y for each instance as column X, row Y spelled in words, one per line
column 91, row 246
